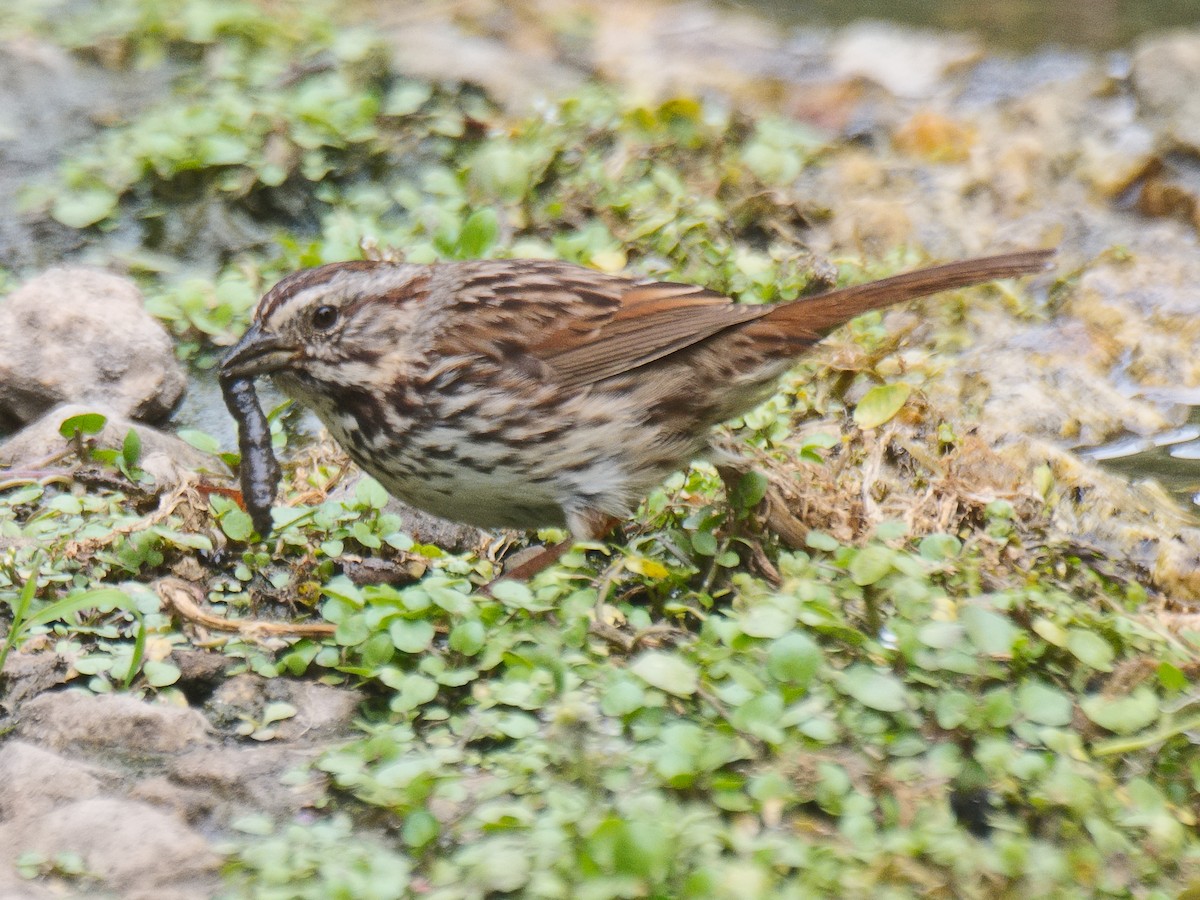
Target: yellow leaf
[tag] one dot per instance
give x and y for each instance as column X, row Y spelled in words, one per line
column 647, row 567
column 880, row 404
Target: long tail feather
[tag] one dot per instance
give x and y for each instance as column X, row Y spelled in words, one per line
column 815, row 316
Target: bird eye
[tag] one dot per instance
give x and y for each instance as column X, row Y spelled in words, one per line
column 324, row 318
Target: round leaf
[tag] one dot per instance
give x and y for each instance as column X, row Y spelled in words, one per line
column 666, row 672
column 875, row 690
column 1122, row 715
column 880, row 404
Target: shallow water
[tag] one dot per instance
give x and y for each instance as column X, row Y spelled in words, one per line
column 1022, row 25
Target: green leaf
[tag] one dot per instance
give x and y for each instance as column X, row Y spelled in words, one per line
column 370, row 493
column 237, row 525
column 405, row 98
column 1043, row 704
column 704, row 543
column 183, row 539
column 939, row 547
column 749, row 492
column 468, row 638
column 81, row 208
column 1090, row 649
column 871, row 563
column 666, row 672
column 795, row 659
column 277, row 712
column 1171, row 677
column 1122, row 715
column 478, row 234
column 202, row 441
column 411, row 635
column 880, row 404
column 991, row 632
column 159, row 673
column 512, row 593
column 819, row 540
column 131, row 448
column 102, row 599
column 84, row 423
column 765, row 620
column 623, row 698
column 874, row 689
column 420, row 829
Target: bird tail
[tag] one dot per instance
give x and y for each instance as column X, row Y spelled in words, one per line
column 811, row 318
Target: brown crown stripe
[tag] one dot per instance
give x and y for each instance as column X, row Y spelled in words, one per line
column 307, row 278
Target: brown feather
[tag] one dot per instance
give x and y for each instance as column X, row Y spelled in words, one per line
column 807, row 320
column 653, row 321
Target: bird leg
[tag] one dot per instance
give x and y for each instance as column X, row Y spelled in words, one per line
column 586, row 526
column 772, row 509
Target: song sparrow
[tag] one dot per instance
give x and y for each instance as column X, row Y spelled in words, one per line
column 524, row 393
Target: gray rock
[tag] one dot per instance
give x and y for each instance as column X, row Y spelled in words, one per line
column 167, row 458
column 36, row 780
column 128, row 846
column 80, row 721
column 81, row 335
column 1166, row 69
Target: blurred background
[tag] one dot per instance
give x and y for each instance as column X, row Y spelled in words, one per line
column 1015, row 24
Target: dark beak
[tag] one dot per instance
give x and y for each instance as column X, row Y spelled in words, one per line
column 257, row 353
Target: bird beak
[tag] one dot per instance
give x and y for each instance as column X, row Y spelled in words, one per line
column 257, row 353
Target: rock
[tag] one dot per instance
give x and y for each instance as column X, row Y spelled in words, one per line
column 36, row 780
column 1166, row 69
column 909, row 64
column 51, row 803
column 442, row 51
column 128, row 846
column 166, row 458
column 82, row 721
column 238, row 779
column 81, row 335
column 322, row 711
column 30, row 671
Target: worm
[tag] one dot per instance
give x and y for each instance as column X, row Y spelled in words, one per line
column 259, row 471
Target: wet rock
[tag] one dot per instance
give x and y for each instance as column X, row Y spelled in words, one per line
column 141, row 790
column 909, row 64
column 664, row 50
column 81, row 721
column 1166, row 69
column 82, row 335
column 1176, row 568
column 53, row 99
column 519, row 77
column 1113, row 522
column 166, row 458
column 1148, row 307
column 1050, row 382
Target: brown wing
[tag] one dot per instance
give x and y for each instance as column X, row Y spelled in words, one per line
column 586, row 325
column 582, row 324
column 650, row 321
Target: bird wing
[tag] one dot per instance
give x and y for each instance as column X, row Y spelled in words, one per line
column 576, row 325
column 648, row 322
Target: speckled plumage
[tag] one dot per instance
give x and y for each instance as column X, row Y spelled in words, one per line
column 522, row 393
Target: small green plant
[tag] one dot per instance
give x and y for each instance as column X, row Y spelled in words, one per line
column 103, row 600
